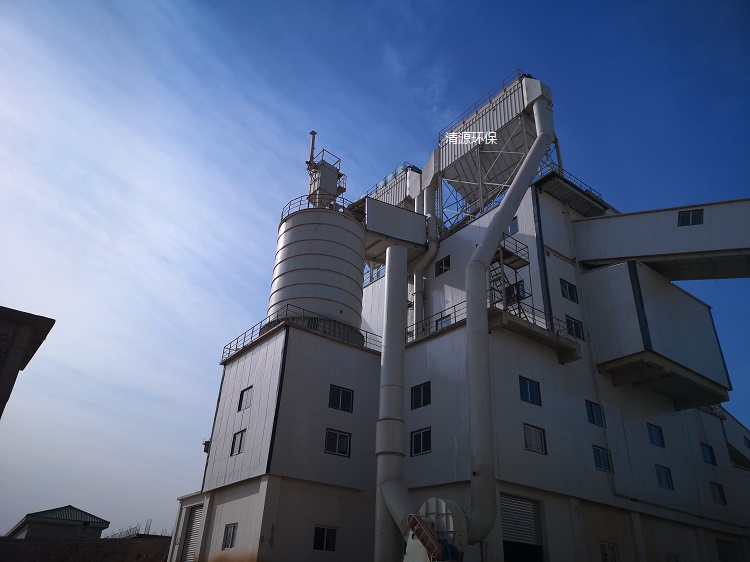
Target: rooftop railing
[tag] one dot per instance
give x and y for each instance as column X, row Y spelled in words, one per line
column 549, row 167
column 318, row 201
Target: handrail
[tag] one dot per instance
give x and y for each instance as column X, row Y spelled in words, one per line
column 550, row 167
column 318, row 201
column 299, row 316
column 385, row 182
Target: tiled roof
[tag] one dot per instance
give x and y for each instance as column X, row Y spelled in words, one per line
column 68, row 513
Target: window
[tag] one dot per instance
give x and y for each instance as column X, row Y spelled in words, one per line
column 340, row 398
column 655, row 435
column 230, row 532
column 534, row 438
column 324, row 539
column 708, row 453
column 443, row 322
column 690, row 218
column 569, row 290
column 337, row 442
column 602, row 459
column 530, row 391
column 513, row 228
column 238, row 442
column 421, row 441
column 246, row 399
column 664, row 477
column 718, row 492
column 442, row 265
column 669, row 557
column 608, row 551
column 575, row 328
column 595, row 413
column 747, row 442
column 421, row 395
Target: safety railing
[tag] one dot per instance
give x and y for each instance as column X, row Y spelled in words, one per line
column 318, row 201
column 436, row 322
column 297, row 316
column 549, row 167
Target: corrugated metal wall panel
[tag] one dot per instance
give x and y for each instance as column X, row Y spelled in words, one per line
column 521, row 520
column 191, row 534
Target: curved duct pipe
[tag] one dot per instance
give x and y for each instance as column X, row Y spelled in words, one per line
column 432, row 248
column 481, row 519
column 393, row 503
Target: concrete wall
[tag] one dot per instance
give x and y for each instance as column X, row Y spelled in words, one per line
column 62, row 531
column 143, row 549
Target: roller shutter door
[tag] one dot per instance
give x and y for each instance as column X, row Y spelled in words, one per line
column 191, row 534
column 521, row 520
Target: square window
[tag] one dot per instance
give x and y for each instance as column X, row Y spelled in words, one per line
column 338, row 442
column 442, row 265
column 324, row 539
column 574, row 327
column 708, row 453
column 595, row 413
column 690, row 218
column 230, row 533
column 340, row 398
column 608, row 551
column 443, row 322
column 602, row 459
column 655, row 435
column 238, row 442
column 421, row 395
column 534, row 439
column 569, row 290
column 718, row 492
column 421, row 441
column 664, row 477
column 530, row 391
column 246, row 399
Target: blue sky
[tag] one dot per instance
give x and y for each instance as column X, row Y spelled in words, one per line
column 147, row 148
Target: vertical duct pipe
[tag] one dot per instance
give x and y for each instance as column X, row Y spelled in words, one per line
column 481, row 519
column 393, row 503
column 432, row 248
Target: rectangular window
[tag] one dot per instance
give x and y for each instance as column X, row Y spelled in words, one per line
column 230, row 532
column 690, row 218
column 324, row 539
column 608, row 551
column 421, row 441
column 595, row 413
column 442, row 265
column 421, row 395
column 664, row 477
column 655, row 435
column 513, row 228
column 718, row 492
column 708, row 453
column 443, row 322
column 338, row 442
column 534, row 439
column 530, row 391
column 602, row 459
column 238, row 442
column 569, row 290
column 575, row 328
column 246, row 399
column 340, row 398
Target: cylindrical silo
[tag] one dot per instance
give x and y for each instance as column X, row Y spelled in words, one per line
column 319, row 261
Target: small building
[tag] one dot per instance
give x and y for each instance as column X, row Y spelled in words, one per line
column 66, row 523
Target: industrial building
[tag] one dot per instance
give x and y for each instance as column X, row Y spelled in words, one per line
column 481, row 360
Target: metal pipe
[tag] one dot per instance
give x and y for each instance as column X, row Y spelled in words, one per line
column 481, row 519
column 392, row 500
column 312, row 149
column 432, row 248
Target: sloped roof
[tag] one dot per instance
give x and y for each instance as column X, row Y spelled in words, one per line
column 67, row 513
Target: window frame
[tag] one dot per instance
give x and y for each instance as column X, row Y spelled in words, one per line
column 339, row 433
column 608, row 551
column 592, row 408
column 667, row 472
column 694, row 217
column 603, row 453
column 512, row 227
column 238, row 447
column 230, row 532
column 341, row 391
column 652, row 435
column 420, row 433
column 443, row 265
column 577, row 324
column 443, row 322
column 565, row 289
column 327, row 533
column 420, row 390
column 246, row 395
column 708, row 449
column 531, row 447
column 528, row 387
column 716, row 487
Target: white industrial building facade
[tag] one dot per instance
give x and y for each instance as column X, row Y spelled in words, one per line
column 602, row 423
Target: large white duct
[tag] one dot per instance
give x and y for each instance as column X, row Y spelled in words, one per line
column 432, row 248
column 481, row 519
